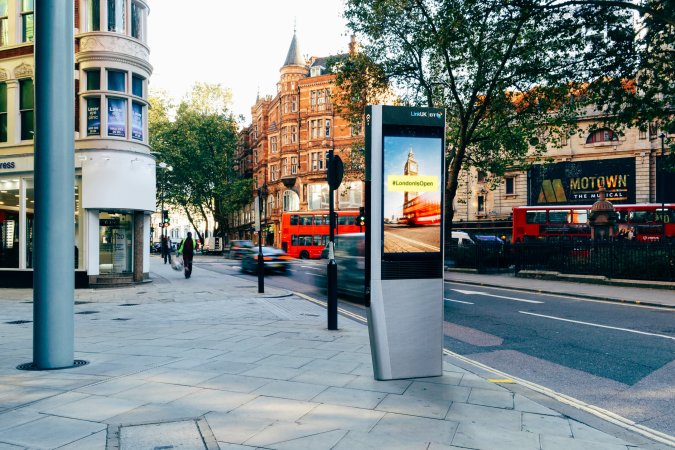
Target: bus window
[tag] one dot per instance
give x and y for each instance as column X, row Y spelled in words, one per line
column 318, row 220
column 294, row 219
column 535, row 217
column 641, row 216
column 326, row 220
column 305, row 220
column 324, row 239
column 559, row 216
column 668, row 217
column 294, row 238
column 622, row 216
column 317, row 239
column 305, row 239
column 346, row 220
column 579, row 216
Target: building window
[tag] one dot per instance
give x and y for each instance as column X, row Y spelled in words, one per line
column 294, row 103
column 510, row 185
column 137, row 121
column 3, row 112
column 286, row 104
column 482, row 176
column 481, row 204
column 294, row 134
column 94, row 15
column 652, row 131
column 284, row 135
column 137, row 18
column 116, row 15
column 327, row 133
column 116, row 80
column 275, row 173
column 137, row 85
column 26, row 108
column 563, row 139
column 273, row 144
column 315, row 128
column 284, row 167
column 642, row 134
column 317, row 196
column 27, row 21
column 93, row 79
column 317, row 161
column 349, row 195
column 602, row 135
column 117, row 117
column 94, row 116
column 294, row 165
column 4, row 21
column 291, row 201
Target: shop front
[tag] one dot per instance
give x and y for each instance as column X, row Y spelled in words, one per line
column 109, row 239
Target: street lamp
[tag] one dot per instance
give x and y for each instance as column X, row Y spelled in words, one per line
column 661, row 185
column 262, row 197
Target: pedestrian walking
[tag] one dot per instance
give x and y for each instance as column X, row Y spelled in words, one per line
column 165, row 249
column 187, row 249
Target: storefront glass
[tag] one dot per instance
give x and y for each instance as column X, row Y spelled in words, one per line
column 30, row 216
column 115, row 242
column 9, row 223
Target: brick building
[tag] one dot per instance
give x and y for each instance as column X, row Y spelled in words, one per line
column 625, row 161
column 285, row 146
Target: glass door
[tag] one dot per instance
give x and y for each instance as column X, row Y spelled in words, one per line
column 115, row 242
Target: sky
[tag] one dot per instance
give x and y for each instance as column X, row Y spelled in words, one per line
column 238, row 44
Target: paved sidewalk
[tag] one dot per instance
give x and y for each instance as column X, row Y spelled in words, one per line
column 208, row 363
column 619, row 293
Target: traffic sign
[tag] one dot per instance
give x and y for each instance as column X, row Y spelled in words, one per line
column 336, row 170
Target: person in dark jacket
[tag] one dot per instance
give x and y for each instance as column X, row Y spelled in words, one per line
column 187, row 249
column 165, row 247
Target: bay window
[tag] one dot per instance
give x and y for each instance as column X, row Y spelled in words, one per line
column 26, row 108
column 94, row 15
column 116, row 16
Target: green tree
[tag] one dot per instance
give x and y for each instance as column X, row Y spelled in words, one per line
column 198, row 139
column 505, row 70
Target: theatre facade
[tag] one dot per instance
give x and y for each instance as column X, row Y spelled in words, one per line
column 114, row 185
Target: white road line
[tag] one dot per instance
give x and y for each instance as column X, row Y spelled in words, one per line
column 412, row 241
column 313, row 274
column 599, row 326
column 457, row 301
column 311, row 267
column 496, row 296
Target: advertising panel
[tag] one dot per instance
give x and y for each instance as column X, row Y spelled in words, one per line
column 412, row 176
column 93, row 117
column 665, row 180
column 137, row 121
column 117, row 117
column 578, row 183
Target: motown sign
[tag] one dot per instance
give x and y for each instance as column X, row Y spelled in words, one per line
column 579, row 182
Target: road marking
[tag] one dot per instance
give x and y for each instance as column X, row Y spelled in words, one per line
column 501, row 380
column 311, row 267
column 496, row 296
column 314, row 274
column 598, row 325
column 457, row 301
column 357, row 317
column 412, row 241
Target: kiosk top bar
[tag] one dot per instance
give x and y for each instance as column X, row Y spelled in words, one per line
column 412, row 116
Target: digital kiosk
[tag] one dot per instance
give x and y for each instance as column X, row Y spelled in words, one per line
column 404, row 240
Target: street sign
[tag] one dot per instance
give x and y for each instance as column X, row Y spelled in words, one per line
column 336, row 170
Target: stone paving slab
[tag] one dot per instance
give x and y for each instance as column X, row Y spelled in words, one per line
column 231, row 369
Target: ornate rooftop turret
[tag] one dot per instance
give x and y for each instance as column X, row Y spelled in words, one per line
column 294, row 55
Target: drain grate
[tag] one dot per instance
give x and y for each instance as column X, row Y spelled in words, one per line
column 18, row 322
column 31, row 366
column 129, row 304
column 87, row 312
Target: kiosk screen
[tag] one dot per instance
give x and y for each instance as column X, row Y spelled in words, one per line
column 412, row 175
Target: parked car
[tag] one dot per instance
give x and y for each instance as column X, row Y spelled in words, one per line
column 236, row 249
column 274, row 259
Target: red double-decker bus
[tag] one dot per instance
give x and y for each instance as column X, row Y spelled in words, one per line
column 305, row 234
column 647, row 222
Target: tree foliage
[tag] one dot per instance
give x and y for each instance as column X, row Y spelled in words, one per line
column 198, row 139
column 505, row 70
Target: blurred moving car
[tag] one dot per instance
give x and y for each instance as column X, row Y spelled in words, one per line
column 237, row 249
column 273, row 259
column 350, row 256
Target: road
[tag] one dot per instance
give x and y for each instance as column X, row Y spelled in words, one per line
column 615, row 356
column 404, row 238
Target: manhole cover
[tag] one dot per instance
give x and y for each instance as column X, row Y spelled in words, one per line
column 87, row 312
column 18, row 322
column 31, row 366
